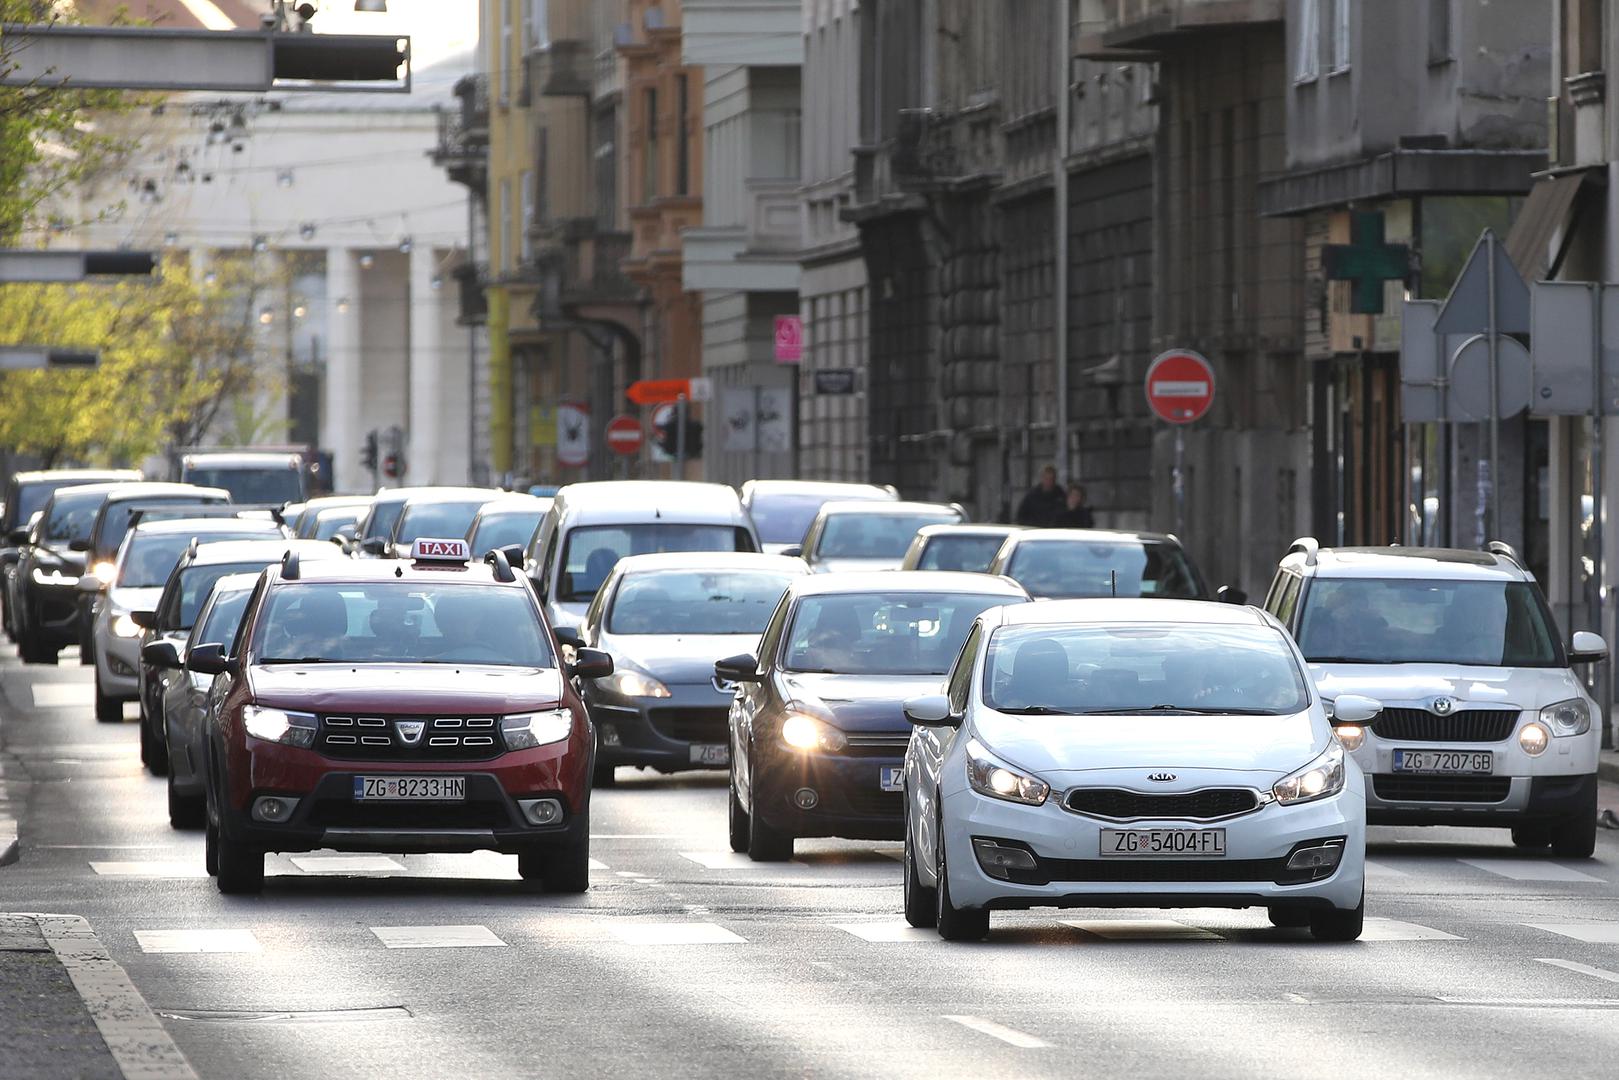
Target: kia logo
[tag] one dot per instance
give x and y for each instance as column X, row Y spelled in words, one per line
column 410, row 731
column 1442, row 706
column 1161, row 777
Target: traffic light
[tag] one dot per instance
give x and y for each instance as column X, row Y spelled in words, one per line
column 393, row 465
column 669, row 438
column 368, row 453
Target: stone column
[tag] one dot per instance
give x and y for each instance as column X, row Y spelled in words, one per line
column 424, row 425
column 340, row 430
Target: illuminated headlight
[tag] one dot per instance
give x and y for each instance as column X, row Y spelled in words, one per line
column 527, row 730
column 1319, row 779
column 53, row 578
column 1534, row 738
column 989, row 775
column 103, row 571
column 1352, row 736
column 627, row 683
column 1571, row 717
column 124, row 626
column 279, row 725
column 803, row 732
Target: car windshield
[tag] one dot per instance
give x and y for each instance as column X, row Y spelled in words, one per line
column 874, row 536
column 196, row 582
column 592, row 551
column 401, row 622
column 437, row 519
column 31, row 498
column 696, row 602
column 505, row 529
column 1068, row 569
column 71, row 517
column 115, row 518
column 327, row 522
column 219, row 628
column 784, row 519
column 150, row 558
column 875, row 633
column 383, row 516
column 1143, row 670
column 266, row 484
column 970, row 553
column 1406, row 621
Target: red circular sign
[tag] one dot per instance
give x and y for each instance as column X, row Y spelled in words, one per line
column 624, row 435
column 1180, row 386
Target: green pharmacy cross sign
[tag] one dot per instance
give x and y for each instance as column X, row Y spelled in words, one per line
column 1367, row 261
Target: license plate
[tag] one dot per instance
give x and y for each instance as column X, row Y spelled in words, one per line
column 1164, row 843
column 891, row 778
column 711, row 754
column 410, row 788
column 1467, row 762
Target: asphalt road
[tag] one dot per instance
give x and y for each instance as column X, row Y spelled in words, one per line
column 686, row 960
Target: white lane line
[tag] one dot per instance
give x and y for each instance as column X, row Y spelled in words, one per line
column 1592, row 933
column 596, row 864
column 895, row 853
column 150, row 869
column 732, row 860
column 1530, row 870
column 62, row 695
column 1395, row 930
column 1580, row 969
column 1142, row 930
column 345, row 864
column 197, row 941
column 437, row 937
column 1000, row 1031
column 640, row 836
column 1374, row 868
column 677, row 933
column 887, row 932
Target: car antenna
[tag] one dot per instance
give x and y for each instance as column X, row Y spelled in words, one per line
column 1113, row 582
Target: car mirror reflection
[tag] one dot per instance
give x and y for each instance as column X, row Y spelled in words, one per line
column 742, row 668
column 1355, row 710
column 590, row 664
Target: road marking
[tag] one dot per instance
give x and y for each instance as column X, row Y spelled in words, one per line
column 1592, row 933
column 887, row 931
column 1530, row 870
column 345, row 864
column 1000, row 1031
column 679, row 933
column 596, row 864
column 197, row 941
column 734, row 860
column 1395, row 930
column 1142, row 930
column 437, row 937
column 640, row 836
column 150, row 869
column 895, row 853
column 1382, row 869
column 62, row 695
column 1581, row 969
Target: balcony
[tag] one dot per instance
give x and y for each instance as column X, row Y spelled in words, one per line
column 1126, row 29
column 580, row 271
column 470, row 279
column 462, row 146
column 561, row 69
column 774, row 224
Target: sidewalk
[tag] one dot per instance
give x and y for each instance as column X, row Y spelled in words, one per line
column 1608, row 767
column 48, row 1029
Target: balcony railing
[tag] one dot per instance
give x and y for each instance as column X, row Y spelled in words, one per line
column 582, row 269
column 462, row 145
column 1156, row 24
column 470, row 279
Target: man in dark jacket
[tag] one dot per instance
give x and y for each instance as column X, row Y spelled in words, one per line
column 1044, row 503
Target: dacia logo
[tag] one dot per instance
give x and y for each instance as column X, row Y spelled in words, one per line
column 410, row 731
column 1161, row 777
column 1442, row 706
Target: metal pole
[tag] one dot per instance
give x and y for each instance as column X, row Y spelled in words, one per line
column 1059, row 244
column 680, row 437
column 1180, row 481
column 1493, row 510
column 1604, row 671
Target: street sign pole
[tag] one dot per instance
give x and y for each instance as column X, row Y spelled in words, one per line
column 1180, row 481
column 680, row 437
column 1493, row 486
column 1604, row 672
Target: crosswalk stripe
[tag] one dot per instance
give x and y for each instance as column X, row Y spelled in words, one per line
column 1395, row 930
column 1580, row 969
column 197, row 941
column 1019, row 1039
column 1592, row 933
column 675, row 933
column 734, row 860
column 1530, row 870
column 1142, row 930
column 1374, row 868
column 155, row 868
column 437, row 937
column 62, row 695
column 885, row 932
column 345, row 864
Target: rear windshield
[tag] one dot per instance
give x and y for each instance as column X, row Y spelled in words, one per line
column 970, row 553
column 1406, row 621
column 272, row 484
column 115, row 521
column 784, row 519
column 437, row 519
column 30, row 498
column 219, row 628
column 383, row 517
column 505, row 529
column 151, row 559
column 327, row 522
column 874, row 536
column 696, row 602
column 592, row 551
column 1069, row 569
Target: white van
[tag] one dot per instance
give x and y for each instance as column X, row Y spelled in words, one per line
column 591, row 526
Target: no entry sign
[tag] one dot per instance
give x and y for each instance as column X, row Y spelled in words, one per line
column 1180, row 386
column 624, row 435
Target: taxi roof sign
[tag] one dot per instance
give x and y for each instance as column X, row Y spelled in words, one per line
column 426, row 549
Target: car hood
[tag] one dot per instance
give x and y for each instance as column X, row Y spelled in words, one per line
column 142, row 599
column 1069, row 747
column 860, row 702
column 676, row 658
column 838, row 566
column 1418, row 684
column 775, row 549
column 404, row 688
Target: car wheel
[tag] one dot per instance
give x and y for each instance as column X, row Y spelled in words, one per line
column 185, row 811
column 764, row 843
column 1532, row 836
column 921, row 902
column 1575, row 837
column 1289, row 918
column 210, row 847
column 567, row 870
column 241, row 867
column 154, row 755
column 736, row 819
column 604, row 776
column 1339, row 924
column 953, row 923
column 108, row 710
column 35, row 654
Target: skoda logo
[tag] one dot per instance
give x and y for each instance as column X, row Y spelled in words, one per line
column 1442, row 706
column 1161, row 777
column 410, row 731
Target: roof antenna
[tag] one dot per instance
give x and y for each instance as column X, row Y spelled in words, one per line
column 1113, row 582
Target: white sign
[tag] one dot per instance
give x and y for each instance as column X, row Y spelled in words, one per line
column 425, row 549
column 573, row 435
column 774, row 418
column 737, row 419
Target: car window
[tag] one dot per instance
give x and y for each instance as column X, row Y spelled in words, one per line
column 1288, row 599
column 437, row 519
column 193, row 587
column 272, row 484
column 1038, row 669
column 31, row 498
column 327, row 522
column 770, row 640
column 505, row 529
column 1069, row 569
column 150, row 559
column 115, row 517
column 883, row 633
column 1408, row 621
column 219, row 625
column 383, row 517
column 590, row 552
column 970, row 553
column 695, row 602
column 873, row 536
column 785, row 518
column 70, row 518
column 961, row 675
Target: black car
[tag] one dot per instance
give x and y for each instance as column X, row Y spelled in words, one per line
column 25, row 495
column 818, row 728
column 45, row 615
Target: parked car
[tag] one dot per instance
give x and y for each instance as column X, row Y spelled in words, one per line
column 781, row 510
column 869, row 535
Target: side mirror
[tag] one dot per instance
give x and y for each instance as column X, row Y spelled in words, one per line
column 78, row 545
column 17, row 537
column 374, row 545
column 569, row 636
column 146, row 620
column 207, row 660
column 741, row 668
column 514, row 555
column 343, row 543
column 346, row 532
column 90, row 584
column 590, row 664
column 1230, row 594
column 1587, row 648
column 794, row 552
column 1354, row 709
column 160, row 654
column 930, row 710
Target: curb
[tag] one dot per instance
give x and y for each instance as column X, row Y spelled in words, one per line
column 8, row 850
column 1607, row 769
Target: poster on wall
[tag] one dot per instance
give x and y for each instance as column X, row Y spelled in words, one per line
column 774, row 419
column 573, row 435
column 737, row 413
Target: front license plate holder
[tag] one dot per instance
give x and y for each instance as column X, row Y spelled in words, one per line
column 1163, row 843
column 1433, row 762
column 891, row 778
column 710, row 754
column 410, row 789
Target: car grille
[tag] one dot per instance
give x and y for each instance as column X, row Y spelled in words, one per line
column 1473, row 789
column 1167, row 870
column 1469, row 725
column 692, row 725
column 1119, row 804
column 377, row 738
column 877, row 744
column 346, row 814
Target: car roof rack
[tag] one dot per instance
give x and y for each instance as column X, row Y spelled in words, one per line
column 289, row 566
column 1505, row 551
column 503, row 568
column 1309, row 546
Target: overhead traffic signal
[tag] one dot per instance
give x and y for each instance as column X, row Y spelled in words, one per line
column 669, row 437
column 368, row 452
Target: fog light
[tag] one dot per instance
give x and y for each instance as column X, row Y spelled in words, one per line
column 806, row 799
column 609, row 735
column 118, row 667
column 1316, row 858
column 1534, row 739
column 999, row 861
column 274, row 809
column 541, row 811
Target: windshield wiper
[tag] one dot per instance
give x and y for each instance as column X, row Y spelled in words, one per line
column 1184, row 710
column 1347, row 660
column 1035, row 710
column 296, row 660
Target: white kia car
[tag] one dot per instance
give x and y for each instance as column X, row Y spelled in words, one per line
column 1132, row 753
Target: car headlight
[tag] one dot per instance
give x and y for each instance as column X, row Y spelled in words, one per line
column 989, row 775
column 803, row 732
column 124, row 626
column 527, row 730
column 627, row 683
column 52, row 577
column 1571, row 717
column 279, row 725
column 1534, row 738
column 103, row 571
column 1319, row 779
column 1352, row 736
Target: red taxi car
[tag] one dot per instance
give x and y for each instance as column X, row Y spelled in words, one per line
column 399, row 707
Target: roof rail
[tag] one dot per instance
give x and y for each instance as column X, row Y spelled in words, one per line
column 1309, row 546
column 1505, row 551
column 503, row 569
column 289, row 566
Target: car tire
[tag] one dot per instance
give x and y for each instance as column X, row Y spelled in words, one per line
column 154, row 755
column 1575, row 836
column 566, row 870
column 1532, row 836
column 764, row 843
column 953, row 923
column 210, row 847
column 921, row 902
column 737, row 826
column 185, row 811
column 604, row 776
column 241, row 867
column 1288, row 918
column 35, row 654
column 108, row 710
column 1339, row 924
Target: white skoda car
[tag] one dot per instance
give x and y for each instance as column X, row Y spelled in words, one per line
column 1132, row 753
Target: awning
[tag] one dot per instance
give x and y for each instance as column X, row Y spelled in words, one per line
column 1540, row 236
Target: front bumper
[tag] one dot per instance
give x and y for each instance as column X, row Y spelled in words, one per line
column 53, row 613
column 117, row 659
column 689, row 729
column 849, row 798
column 1520, row 788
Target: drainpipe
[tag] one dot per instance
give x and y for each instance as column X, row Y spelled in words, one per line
column 1060, row 239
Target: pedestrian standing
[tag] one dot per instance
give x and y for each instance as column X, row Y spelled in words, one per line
column 1076, row 513
column 1044, row 503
